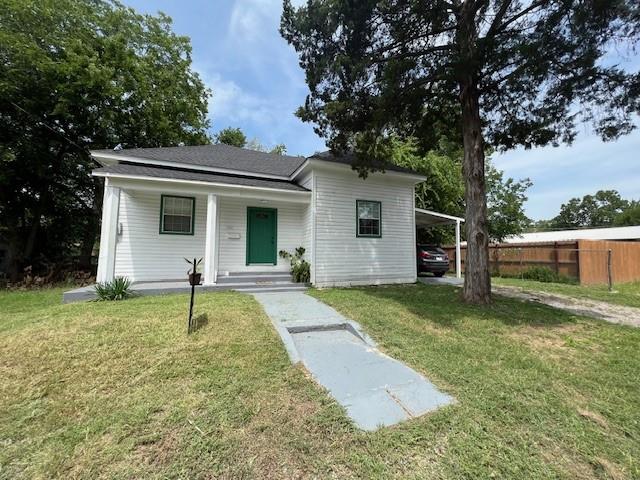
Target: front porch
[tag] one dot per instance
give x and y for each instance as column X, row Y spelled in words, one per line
column 137, row 241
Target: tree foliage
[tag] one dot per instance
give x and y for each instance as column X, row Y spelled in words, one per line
column 74, row 75
column 599, row 210
column 505, row 204
column 502, row 72
column 231, row 136
column 237, row 138
column 255, row 144
column 443, row 191
column 629, row 216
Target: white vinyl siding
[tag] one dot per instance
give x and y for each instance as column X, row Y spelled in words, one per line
column 343, row 258
column 307, row 219
column 325, row 227
column 233, row 233
column 142, row 252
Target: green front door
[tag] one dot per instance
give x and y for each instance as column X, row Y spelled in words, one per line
column 261, row 235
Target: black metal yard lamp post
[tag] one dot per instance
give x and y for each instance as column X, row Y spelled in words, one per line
column 194, row 279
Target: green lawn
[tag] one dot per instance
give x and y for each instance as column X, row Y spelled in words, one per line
column 627, row 294
column 118, row 390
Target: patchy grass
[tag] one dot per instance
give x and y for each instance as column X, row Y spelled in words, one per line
column 118, row 390
column 627, row 294
column 541, row 393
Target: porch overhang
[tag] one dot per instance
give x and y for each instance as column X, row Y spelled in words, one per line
column 254, row 191
column 180, row 186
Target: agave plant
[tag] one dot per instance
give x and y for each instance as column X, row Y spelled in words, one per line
column 117, row 289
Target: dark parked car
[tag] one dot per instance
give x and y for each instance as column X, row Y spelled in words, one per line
column 432, row 259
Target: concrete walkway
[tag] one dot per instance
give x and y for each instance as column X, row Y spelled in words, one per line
column 441, row 281
column 375, row 389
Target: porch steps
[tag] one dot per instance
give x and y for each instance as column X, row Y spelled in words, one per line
column 254, row 277
column 254, row 282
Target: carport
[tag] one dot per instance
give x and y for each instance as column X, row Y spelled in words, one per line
column 428, row 219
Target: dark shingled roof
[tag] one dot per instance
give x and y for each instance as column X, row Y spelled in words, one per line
column 350, row 159
column 219, row 155
column 184, row 174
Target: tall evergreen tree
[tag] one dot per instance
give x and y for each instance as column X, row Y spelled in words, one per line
column 503, row 72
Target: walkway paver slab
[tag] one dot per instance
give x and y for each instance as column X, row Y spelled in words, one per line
column 375, row 389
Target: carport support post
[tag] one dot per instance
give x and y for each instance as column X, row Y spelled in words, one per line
column 458, row 259
column 609, row 276
column 211, row 235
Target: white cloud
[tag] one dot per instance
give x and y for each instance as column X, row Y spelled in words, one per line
column 249, row 18
column 587, row 149
column 587, row 166
column 231, row 103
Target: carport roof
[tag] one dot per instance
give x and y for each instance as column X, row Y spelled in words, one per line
column 428, row 218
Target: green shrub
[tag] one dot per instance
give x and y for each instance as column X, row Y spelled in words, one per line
column 117, row 289
column 541, row 274
column 301, row 272
column 300, row 268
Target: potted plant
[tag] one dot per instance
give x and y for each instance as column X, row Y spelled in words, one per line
column 194, row 275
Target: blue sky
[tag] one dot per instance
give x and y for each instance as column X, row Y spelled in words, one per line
column 257, row 85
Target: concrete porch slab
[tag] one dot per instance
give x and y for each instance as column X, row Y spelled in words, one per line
column 167, row 287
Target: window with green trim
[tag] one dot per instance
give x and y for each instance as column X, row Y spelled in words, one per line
column 176, row 214
column 369, row 215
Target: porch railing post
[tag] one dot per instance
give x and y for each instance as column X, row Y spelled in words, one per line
column 108, row 233
column 211, row 238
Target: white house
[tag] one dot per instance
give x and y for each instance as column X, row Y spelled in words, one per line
column 237, row 208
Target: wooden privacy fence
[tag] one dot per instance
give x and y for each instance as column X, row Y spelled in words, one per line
column 587, row 261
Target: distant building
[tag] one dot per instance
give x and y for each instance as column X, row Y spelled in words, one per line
column 628, row 234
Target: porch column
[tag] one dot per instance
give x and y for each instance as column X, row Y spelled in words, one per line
column 211, row 243
column 108, row 233
column 458, row 259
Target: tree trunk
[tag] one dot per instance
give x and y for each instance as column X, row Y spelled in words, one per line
column 477, row 281
column 14, row 254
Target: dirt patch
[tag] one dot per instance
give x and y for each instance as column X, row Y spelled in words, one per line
column 612, row 470
column 578, row 306
column 158, row 451
column 572, row 466
column 558, row 342
column 594, row 417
